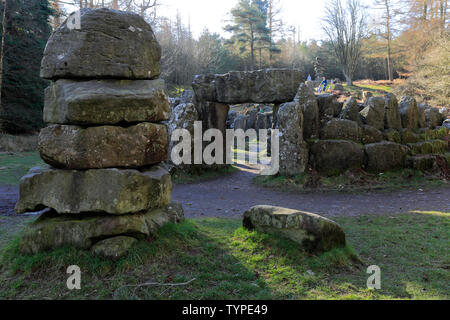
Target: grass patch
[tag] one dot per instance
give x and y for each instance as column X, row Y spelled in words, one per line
column 14, row 166
column 183, row 177
column 229, row 262
column 354, row 181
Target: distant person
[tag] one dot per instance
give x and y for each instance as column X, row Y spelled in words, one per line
column 323, row 85
column 309, row 78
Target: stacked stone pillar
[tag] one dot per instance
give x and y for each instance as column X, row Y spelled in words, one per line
column 104, row 142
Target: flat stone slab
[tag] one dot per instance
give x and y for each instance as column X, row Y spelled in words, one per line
column 260, row 86
column 52, row 230
column 75, row 147
column 385, row 156
column 332, row 157
column 113, row 191
column 311, row 231
column 109, row 44
column 113, row 248
column 100, row 102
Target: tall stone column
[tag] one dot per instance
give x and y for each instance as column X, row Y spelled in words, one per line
column 105, row 141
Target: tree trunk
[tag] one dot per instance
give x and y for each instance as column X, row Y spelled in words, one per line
column 2, row 50
column 115, row 5
column 348, row 79
column 388, row 28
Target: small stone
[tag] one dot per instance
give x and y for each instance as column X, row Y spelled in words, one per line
column 113, row 248
column 311, row 231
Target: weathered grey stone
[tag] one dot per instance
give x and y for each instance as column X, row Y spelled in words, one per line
column 341, row 129
column 332, row 157
column 373, row 113
column 293, row 149
column 113, row 248
column 311, row 231
column 370, row 135
column 329, row 108
column 308, row 102
column 251, row 121
column 392, row 118
column 110, row 44
column 392, row 135
column 261, row 86
column 446, row 123
column 52, row 230
column 428, row 147
column 385, row 156
column 240, row 122
column 339, row 87
column 74, row 147
column 99, row 102
column 408, row 136
column 183, row 116
column 421, row 108
column 263, row 120
column 409, row 112
column 350, row 111
column 433, row 117
column 204, row 86
column 421, row 162
column 113, row 191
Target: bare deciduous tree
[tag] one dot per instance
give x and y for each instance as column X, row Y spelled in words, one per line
column 345, row 25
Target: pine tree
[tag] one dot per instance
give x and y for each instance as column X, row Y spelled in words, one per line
column 27, row 31
column 248, row 28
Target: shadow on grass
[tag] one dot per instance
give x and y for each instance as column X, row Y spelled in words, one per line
column 229, row 262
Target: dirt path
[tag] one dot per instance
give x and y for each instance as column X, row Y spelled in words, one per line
column 231, row 195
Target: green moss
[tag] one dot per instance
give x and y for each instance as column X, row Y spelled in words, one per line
column 393, row 136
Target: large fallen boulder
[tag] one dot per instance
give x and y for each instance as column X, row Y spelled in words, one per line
column 385, row 156
column 433, row 117
column 293, row 149
column 341, row 129
column 308, row 102
column 70, row 191
column 52, row 230
column 100, row 102
column 261, row 86
column 373, row 113
column 311, row 231
column 332, row 157
column 409, row 112
column 370, row 135
column 329, row 108
column 392, row 118
column 121, row 44
column 350, row 111
column 74, row 147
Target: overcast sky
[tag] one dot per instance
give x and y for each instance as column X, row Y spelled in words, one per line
column 212, row 14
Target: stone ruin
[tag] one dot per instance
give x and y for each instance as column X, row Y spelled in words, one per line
column 318, row 132
column 105, row 186
column 212, row 95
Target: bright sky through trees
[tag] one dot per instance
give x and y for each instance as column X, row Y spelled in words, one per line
column 212, row 14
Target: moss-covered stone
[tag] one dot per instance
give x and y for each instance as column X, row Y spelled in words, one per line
column 385, row 156
column 113, row 248
column 421, row 162
column 113, row 191
column 370, row 135
column 429, row 147
column 311, row 231
column 408, row 136
column 331, row 157
column 53, row 230
column 392, row 135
